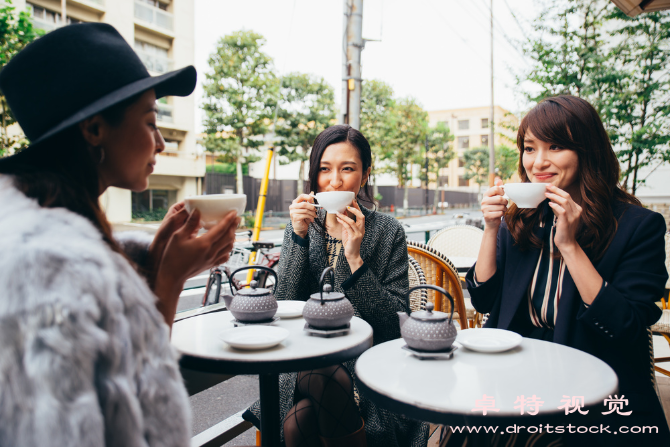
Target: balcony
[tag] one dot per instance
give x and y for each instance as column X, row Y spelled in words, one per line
column 180, row 163
column 157, row 64
column 44, row 24
column 156, row 18
column 165, row 112
column 91, row 5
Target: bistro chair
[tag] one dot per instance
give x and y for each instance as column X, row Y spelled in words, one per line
column 441, row 272
column 662, row 326
column 458, row 241
column 418, row 298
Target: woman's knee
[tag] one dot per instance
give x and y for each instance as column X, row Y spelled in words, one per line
column 314, row 383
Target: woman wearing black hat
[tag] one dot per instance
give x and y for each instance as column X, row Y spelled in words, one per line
column 85, row 357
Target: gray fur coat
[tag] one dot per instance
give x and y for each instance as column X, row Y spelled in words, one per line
column 85, row 356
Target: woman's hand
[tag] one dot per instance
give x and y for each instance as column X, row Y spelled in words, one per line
column 174, row 219
column 568, row 217
column 352, row 235
column 302, row 212
column 494, row 206
column 186, row 255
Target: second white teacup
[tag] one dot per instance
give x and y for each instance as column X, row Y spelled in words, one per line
column 335, row 201
column 526, row 195
column 213, row 207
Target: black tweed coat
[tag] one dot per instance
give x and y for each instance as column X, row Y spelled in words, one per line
column 377, row 291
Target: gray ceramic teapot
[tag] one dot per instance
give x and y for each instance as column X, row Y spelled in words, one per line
column 327, row 309
column 254, row 304
column 426, row 330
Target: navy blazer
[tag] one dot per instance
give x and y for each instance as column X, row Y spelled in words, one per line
column 614, row 327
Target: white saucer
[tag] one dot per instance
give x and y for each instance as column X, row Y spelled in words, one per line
column 289, row 308
column 489, row 340
column 254, row 337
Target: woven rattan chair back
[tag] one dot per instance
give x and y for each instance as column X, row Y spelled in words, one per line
column 441, row 272
column 418, row 298
column 458, row 241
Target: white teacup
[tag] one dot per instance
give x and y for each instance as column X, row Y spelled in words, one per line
column 213, row 207
column 526, row 195
column 335, row 201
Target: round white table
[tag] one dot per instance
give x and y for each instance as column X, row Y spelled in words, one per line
column 462, row 263
column 197, row 340
column 447, row 391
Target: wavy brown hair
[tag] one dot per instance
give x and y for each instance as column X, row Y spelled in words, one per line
column 572, row 123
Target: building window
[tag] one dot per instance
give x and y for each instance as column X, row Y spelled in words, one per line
column 152, row 204
column 154, row 57
column 463, row 181
column 485, row 140
column 485, row 123
column 46, row 19
column 461, row 162
column 463, row 124
column 155, row 4
column 464, row 142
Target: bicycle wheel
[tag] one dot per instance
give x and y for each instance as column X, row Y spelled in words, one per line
column 213, row 289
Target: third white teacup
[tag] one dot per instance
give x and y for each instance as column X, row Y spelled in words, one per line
column 526, row 195
column 335, row 201
column 213, row 207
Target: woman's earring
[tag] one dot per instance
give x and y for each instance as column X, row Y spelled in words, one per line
column 362, row 184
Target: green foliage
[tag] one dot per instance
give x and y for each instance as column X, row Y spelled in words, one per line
column 377, row 118
column 306, row 108
column 240, row 97
column 440, row 150
column 477, row 164
column 155, row 215
column 410, row 123
column 226, row 168
column 617, row 63
column 16, row 31
column 507, row 161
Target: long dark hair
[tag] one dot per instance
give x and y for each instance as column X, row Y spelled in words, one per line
column 339, row 134
column 572, row 123
column 333, row 135
column 62, row 172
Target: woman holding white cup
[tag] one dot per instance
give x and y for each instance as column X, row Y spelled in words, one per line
column 585, row 267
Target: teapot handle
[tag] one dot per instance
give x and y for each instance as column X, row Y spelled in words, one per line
column 255, row 267
column 323, row 277
column 439, row 289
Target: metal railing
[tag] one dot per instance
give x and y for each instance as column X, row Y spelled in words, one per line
column 158, row 64
column 165, row 113
column 155, row 16
column 97, row 2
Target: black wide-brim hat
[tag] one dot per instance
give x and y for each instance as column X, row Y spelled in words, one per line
column 75, row 72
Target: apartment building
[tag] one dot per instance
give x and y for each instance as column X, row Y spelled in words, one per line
column 470, row 127
column 162, row 33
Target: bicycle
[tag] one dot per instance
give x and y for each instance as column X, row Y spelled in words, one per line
column 239, row 258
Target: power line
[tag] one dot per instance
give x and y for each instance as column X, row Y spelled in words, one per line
column 515, row 18
column 450, row 27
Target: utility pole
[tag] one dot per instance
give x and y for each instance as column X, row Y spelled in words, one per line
column 351, row 63
column 492, row 151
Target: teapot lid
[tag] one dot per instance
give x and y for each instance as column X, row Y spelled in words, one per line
column 429, row 315
column 328, row 294
column 254, row 290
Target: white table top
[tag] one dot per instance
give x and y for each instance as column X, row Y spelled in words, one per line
column 197, row 339
column 443, row 391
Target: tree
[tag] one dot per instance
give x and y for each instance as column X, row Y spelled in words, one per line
column 378, row 122
column 16, row 31
column 409, row 122
column 617, row 63
column 507, row 161
column 240, row 98
column 307, row 107
column 477, row 165
column 440, row 153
